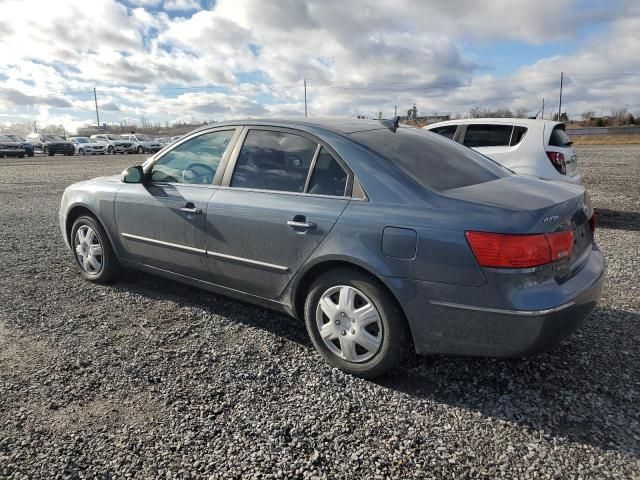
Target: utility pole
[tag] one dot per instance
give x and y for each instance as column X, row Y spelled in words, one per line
column 35, row 127
column 395, row 111
column 305, row 97
column 95, row 98
column 560, row 104
column 543, row 108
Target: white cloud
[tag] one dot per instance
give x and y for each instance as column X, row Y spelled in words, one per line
column 181, row 5
column 360, row 57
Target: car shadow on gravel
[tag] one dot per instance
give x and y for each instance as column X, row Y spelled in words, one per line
column 157, row 288
column 617, row 219
column 584, row 390
column 576, row 391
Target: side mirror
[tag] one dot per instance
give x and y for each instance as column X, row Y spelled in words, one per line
column 133, row 175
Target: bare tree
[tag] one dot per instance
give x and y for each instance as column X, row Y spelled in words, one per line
column 522, row 112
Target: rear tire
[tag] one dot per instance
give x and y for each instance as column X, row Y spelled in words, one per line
column 81, row 151
column 140, row 149
column 366, row 334
column 110, row 150
column 92, row 251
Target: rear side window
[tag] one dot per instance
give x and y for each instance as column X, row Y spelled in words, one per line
column 328, row 177
column 488, row 135
column 559, row 138
column 449, row 131
column 518, row 135
column 430, row 160
column 273, row 161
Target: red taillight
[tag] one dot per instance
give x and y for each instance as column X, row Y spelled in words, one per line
column 557, row 160
column 501, row 250
column 560, row 244
column 592, row 222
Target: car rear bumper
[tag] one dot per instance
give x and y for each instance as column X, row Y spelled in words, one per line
column 576, row 179
column 461, row 328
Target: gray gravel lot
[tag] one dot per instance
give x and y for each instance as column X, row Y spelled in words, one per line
column 152, row 379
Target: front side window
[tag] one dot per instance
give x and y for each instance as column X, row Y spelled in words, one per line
column 449, row 131
column 488, row 135
column 328, row 177
column 272, row 160
column 195, row 161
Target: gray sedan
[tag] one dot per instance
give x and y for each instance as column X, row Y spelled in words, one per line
column 382, row 238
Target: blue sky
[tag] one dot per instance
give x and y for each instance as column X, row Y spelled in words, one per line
column 174, row 60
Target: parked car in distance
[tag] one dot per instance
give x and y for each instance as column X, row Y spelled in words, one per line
column 539, row 148
column 114, row 143
column 381, row 238
column 175, row 138
column 162, row 140
column 143, row 143
column 50, row 144
column 10, row 148
column 87, row 146
column 24, row 143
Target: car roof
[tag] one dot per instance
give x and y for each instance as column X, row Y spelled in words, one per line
column 337, row 125
column 527, row 122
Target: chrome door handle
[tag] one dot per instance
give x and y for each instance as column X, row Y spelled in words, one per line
column 301, row 225
column 195, row 211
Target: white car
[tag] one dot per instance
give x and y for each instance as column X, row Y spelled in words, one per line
column 87, row 146
column 539, row 148
column 143, row 143
column 114, row 143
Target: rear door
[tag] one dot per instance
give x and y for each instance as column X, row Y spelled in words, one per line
column 282, row 193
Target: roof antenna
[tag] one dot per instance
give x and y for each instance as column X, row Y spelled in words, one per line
column 391, row 123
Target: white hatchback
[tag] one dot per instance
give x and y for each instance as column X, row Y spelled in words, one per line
column 539, row 148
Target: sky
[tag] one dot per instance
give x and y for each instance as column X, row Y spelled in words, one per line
column 213, row 60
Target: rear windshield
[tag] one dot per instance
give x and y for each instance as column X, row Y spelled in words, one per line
column 559, row 138
column 433, row 161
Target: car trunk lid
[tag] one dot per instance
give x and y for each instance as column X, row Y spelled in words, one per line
column 554, row 206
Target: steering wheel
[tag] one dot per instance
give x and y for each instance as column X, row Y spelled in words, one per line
column 191, row 174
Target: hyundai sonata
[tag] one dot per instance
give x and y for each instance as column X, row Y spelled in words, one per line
column 381, row 238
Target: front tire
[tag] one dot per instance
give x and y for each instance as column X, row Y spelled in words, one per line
column 140, row 149
column 110, row 150
column 355, row 323
column 81, row 151
column 92, row 251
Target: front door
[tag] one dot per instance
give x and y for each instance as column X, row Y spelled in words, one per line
column 161, row 222
column 284, row 195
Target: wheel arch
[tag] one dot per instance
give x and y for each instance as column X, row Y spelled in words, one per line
column 306, row 277
column 77, row 211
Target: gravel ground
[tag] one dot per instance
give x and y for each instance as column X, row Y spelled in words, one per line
column 152, row 379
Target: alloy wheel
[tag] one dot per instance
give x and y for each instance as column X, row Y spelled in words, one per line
column 349, row 323
column 88, row 249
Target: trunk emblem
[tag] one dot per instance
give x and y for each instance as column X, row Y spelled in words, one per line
column 551, row 219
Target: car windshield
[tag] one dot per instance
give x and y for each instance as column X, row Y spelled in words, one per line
column 144, row 138
column 430, row 159
column 16, row 138
column 113, row 137
column 57, row 138
column 82, row 140
column 6, row 138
